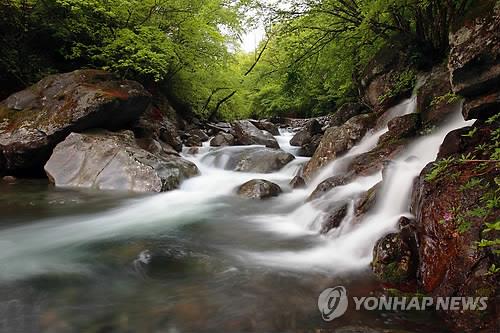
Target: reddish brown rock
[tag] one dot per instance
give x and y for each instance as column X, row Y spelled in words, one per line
column 34, row 120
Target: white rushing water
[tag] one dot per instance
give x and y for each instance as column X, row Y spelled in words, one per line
column 350, row 247
column 45, row 246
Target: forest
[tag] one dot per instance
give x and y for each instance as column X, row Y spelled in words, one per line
column 310, row 61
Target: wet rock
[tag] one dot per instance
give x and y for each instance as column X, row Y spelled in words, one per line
column 475, row 52
column 297, row 182
column 255, row 159
column 334, row 218
column 482, row 107
column 309, row 148
column 346, row 112
column 305, row 135
column 259, row 189
column 113, row 161
column 222, row 139
column 450, row 218
column 402, row 127
column 156, row 125
column 327, row 185
column 435, row 100
column 156, row 147
column 392, row 260
column 36, row 119
column 338, row 140
column 456, row 142
column 247, row 134
column 266, row 126
column 366, row 202
column 374, row 160
column 382, row 78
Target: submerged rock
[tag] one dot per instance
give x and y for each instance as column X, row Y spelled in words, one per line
column 252, row 159
column 247, row 134
column 113, row 161
column 338, row 140
column 259, row 189
column 36, row 119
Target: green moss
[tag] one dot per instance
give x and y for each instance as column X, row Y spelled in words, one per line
column 393, row 273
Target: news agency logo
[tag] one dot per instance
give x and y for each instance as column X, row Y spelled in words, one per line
column 333, row 303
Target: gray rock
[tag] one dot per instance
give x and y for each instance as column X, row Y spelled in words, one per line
column 113, row 161
column 34, row 120
column 338, row 140
column 259, row 189
column 247, row 134
column 254, row 159
column 305, row 135
column 297, row 182
column 266, row 126
column 222, row 139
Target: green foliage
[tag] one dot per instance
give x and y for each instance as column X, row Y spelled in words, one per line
column 448, row 98
column 438, row 168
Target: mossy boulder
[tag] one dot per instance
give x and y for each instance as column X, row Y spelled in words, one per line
column 35, row 120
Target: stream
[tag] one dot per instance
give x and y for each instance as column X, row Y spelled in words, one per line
column 202, row 259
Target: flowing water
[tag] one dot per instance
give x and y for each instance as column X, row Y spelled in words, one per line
column 201, row 259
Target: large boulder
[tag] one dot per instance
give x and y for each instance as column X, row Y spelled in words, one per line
column 35, row 120
column 259, row 189
column 247, row 134
column 450, row 203
column 474, row 60
column 252, row 159
column 113, row 161
column 338, row 140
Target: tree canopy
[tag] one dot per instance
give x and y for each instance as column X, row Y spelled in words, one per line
column 308, row 63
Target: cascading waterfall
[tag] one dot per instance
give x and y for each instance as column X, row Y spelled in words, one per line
column 350, row 247
column 36, row 248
